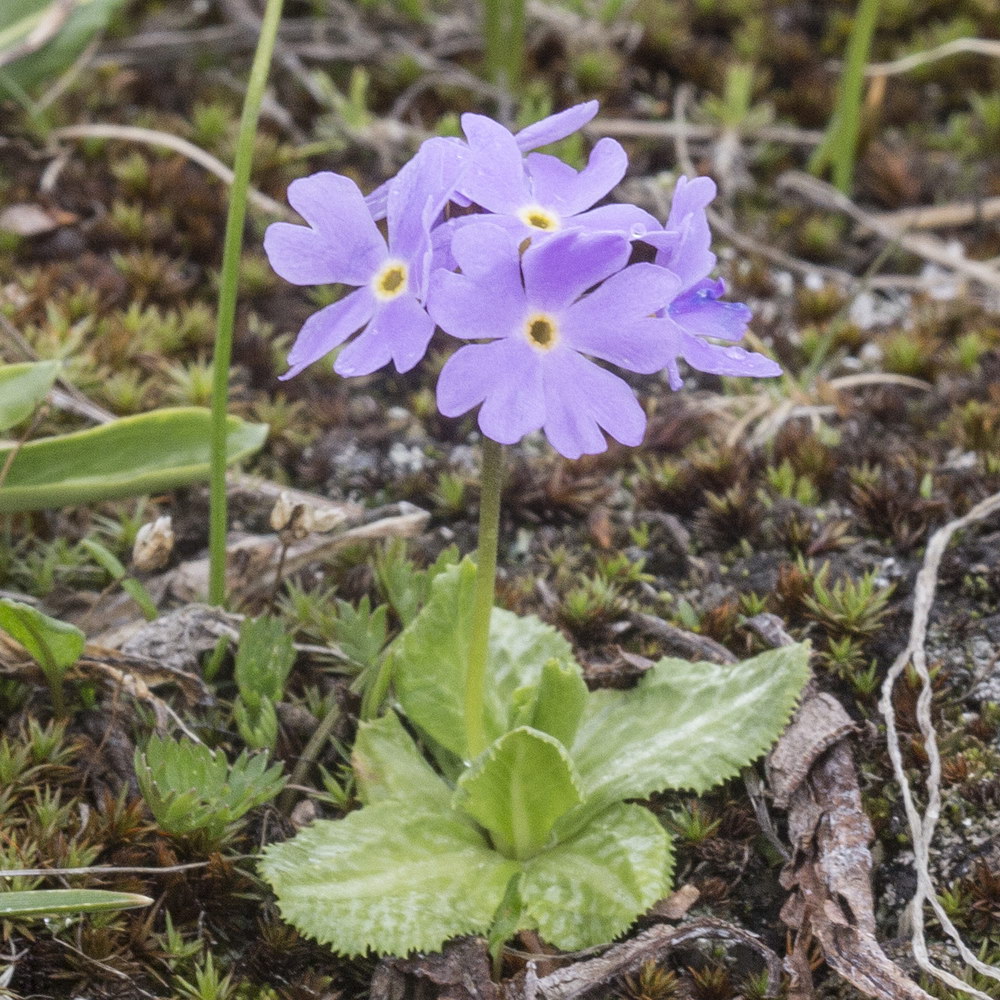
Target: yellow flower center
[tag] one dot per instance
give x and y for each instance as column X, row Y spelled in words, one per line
column 391, row 280
column 539, row 218
column 541, row 332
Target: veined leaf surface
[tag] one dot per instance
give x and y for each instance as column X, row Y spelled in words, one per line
column 53, row 644
column 388, row 879
column 20, row 18
column 591, row 888
column 686, row 725
column 430, row 660
column 519, row 788
column 561, row 700
column 388, row 766
column 141, row 454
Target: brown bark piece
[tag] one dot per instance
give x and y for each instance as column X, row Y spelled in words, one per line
column 830, row 871
column 811, row 771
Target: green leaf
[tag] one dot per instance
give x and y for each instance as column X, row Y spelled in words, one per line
column 561, row 699
column 112, row 565
column 53, row 902
column 388, row 766
column 193, row 790
column 518, row 789
column 686, row 725
column 141, row 454
column 508, row 920
column 22, row 388
column 430, row 659
column 54, row 645
column 264, row 658
column 257, row 723
column 387, row 879
column 588, row 890
column 19, row 18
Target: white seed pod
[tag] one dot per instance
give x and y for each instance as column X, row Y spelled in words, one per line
column 153, row 544
column 281, row 513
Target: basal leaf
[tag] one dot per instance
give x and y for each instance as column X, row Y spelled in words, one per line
column 388, row 879
column 22, row 388
column 389, row 766
column 561, row 700
column 54, row 645
column 589, row 889
column 686, row 725
column 430, row 660
column 133, row 455
column 52, row 902
column 518, row 789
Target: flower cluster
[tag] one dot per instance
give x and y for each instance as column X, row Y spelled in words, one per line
column 502, row 247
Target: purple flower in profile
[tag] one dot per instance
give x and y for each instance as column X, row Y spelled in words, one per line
column 343, row 244
column 535, row 371
column 683, row 246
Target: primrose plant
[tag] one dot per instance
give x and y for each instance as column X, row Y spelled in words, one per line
column 498, row 793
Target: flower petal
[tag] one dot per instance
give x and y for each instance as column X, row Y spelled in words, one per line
column 629, row 220
column 399, row 332
column 580, row 399
column 570, row 193
column 342, row 243
column 487, row 299
column 481, row 247
column 690, row 257
column 556, row 126
column 417, row 197
column 506, row 377
column 699, row 312
column 329, row 328
column 378, row 201
column 495, row 178
column 692, row 195
column 717, row 359
column 613, row 322
column 561, row 268
column 471, row 310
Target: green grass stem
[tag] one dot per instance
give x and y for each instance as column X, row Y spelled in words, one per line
column 839, row 147
column 228, row 287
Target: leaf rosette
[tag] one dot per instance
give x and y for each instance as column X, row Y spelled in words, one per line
column 536, row 832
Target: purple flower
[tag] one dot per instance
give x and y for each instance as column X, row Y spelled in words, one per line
column 538, row 195
column 343, row 244
column 533, row 373
column 541, row 133
column 683, row 246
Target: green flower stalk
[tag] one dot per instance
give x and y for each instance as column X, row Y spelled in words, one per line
column 486, row 571
column 228, row 284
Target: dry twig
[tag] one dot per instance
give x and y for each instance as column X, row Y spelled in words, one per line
column 926, row 247
column 957, row 46
column 922, row 826
column 153, row 137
